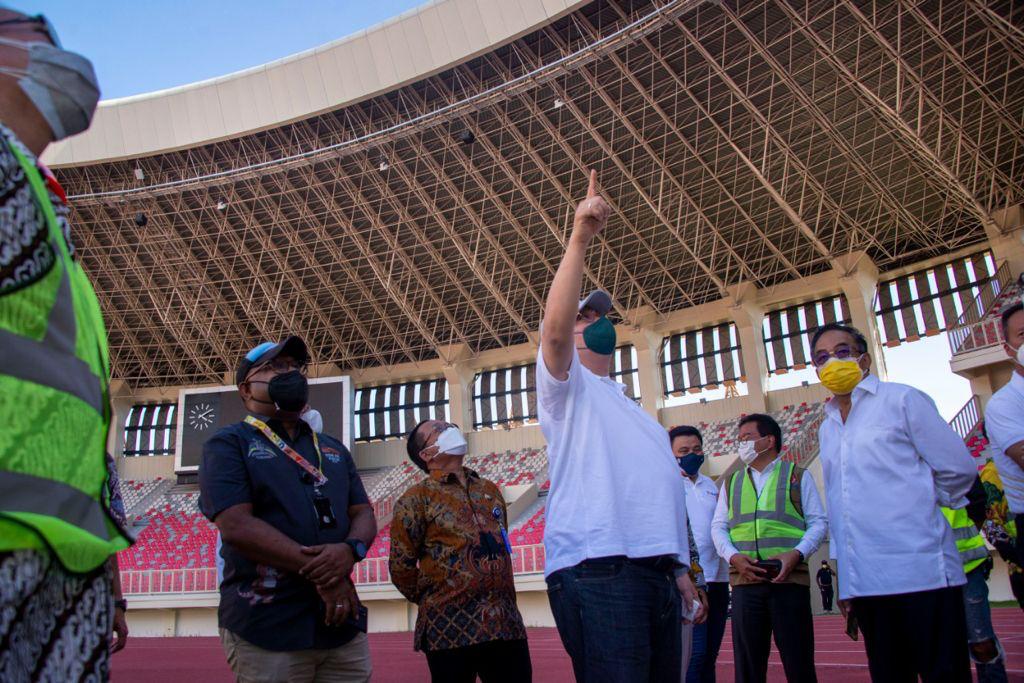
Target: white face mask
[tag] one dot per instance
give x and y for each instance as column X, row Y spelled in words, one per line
column 451, row 442
column 748, row 453
column 315, row 421
column 1020, row 355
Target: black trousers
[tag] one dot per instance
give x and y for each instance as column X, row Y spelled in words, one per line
column 1019, row 521
column 826, row 598
column 1017, row 586
column 496, row 661
column 915, row 635
column 782, row 610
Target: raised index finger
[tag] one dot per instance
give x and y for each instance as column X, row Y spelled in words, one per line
column 592, row 188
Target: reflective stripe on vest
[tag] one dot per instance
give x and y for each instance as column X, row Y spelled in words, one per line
column 765, row 525
column 52, row 361
column 38, row 496
column 969, row 541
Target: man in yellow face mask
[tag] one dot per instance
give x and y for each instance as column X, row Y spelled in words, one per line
column 890, row 461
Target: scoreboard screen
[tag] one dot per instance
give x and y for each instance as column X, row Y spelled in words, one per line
column 201, row 412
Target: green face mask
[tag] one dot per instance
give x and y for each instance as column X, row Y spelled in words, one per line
column 599, row 336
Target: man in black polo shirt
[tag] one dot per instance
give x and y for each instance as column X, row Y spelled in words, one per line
column 294, row 518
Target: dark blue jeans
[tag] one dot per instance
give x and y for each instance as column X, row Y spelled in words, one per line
column 707, row 637
column 618, row 620
column 981, row 638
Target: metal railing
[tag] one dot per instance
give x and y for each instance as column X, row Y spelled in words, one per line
column 526, row 559
column 966, row 421
column 975, row 328
column 153, row 581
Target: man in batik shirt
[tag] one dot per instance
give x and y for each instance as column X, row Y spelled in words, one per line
column 451, row 556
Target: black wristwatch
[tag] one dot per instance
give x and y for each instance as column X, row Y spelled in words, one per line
column 359, row 549
column 121, row 604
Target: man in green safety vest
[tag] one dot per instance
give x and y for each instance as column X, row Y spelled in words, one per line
column 55, row 532
column 983, row 645
column 768, row 521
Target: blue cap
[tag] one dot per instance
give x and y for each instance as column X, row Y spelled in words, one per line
column 261, row 353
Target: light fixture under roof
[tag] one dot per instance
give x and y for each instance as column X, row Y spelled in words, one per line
column 221, row 205
column 559, row 103
column 139, row 173
column 383, row 166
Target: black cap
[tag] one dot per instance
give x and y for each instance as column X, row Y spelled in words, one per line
column 290, row 346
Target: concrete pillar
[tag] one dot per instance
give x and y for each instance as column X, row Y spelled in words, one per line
column 982, row 386
column 1006, row 238
column 749, row 319
column 648, row 365
column 858, row 280
column 459, row 375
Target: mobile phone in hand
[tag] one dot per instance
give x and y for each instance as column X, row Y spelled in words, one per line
column 772, row 568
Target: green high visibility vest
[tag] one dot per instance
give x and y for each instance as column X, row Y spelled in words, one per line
column 766, row 525
column 969, row 540
column 54, row 399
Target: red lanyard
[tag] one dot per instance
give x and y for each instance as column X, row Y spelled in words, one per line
column 318, row 476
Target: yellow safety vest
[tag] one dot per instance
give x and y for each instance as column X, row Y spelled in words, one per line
column 766, row 525
column 969, row 540
column 54, row 399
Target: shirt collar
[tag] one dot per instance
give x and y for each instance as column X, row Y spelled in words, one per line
column 868, row 384
column 768, row 469
column 450, row 478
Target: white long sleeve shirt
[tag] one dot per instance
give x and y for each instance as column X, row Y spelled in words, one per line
column 887, row 471
column 814, row 513
column 701, row 500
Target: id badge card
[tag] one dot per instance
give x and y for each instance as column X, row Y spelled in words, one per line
column 324, row 511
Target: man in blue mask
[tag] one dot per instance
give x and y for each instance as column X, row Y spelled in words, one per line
column 701, row 499
column 615, row 537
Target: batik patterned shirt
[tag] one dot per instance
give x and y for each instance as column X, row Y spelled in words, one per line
column 25, row 251
column 449, row 557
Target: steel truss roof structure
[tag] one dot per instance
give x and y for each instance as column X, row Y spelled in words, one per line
column 736, row 141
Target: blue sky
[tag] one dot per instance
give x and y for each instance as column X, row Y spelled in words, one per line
column 149, row 45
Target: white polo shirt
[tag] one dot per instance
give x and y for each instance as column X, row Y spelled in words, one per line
column 701, row 499
column 614, row 482
column 1004, row 423
column 887, row 469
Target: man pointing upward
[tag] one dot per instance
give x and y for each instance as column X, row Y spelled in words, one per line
column 615, row 537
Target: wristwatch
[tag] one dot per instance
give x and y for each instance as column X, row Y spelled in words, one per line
column 359, row 549
column 121, row 604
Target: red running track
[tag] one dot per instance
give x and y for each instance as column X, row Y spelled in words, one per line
column 169, row 660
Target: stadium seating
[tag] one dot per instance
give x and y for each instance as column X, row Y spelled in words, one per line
column 382, row 544
column 134, row 491
column 720, row 437
column 532, row 531
column 172, row 540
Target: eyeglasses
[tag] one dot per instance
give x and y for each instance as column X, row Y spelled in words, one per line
column 280, row 365
column 841, row 352
column 47, row 27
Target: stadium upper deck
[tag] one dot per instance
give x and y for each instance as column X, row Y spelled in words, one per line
column 405, row 191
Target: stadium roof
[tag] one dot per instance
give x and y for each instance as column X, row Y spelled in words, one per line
column 736, row 141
